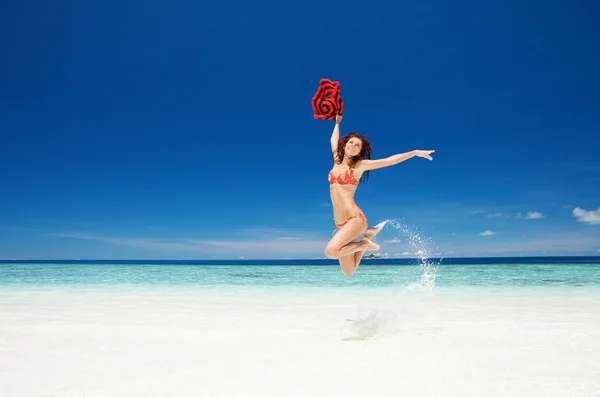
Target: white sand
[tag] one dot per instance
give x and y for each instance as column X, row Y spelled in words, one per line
column 271, row 343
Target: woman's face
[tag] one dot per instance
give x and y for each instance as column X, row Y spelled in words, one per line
column 353, row 147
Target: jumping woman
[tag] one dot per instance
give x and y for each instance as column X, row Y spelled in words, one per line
column 351, row 164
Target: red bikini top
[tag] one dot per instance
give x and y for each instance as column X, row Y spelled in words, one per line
column 343, row 178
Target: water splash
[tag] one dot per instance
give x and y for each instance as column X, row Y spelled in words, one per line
column 363, row 327
column 424, row 250
column 379, row 322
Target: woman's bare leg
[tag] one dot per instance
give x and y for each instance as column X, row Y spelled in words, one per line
column 344, row 247
column 353, row 248
column 369, row 235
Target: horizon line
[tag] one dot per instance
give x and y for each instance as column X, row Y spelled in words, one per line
column 294, row 259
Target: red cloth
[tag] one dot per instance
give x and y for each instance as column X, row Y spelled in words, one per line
column 327, row 102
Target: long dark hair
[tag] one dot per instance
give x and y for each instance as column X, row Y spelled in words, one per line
column 365, row 151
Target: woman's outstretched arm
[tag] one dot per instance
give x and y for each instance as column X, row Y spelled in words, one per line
column 335, row 135
column 395, row 159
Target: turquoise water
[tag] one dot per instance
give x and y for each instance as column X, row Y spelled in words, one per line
column 491, row 327
column 489, row 273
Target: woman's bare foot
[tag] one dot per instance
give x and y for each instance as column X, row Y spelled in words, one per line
column 373, row 231
column 370, row 246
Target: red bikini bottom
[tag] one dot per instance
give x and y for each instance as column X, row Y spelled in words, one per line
column 360, row 215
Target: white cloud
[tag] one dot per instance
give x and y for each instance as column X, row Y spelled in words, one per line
column 133, row 242
column 476, row 212
column 487, row 233
column 286, row 246
column 592, row 217
column 494, row 215
column 552, row 244
column 395, row 240
column 534, row 215
column 419, row 252
column 264, row 231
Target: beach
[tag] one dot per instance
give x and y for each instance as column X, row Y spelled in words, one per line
column 140, row 340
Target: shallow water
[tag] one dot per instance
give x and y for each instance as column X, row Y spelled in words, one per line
column 298, row 330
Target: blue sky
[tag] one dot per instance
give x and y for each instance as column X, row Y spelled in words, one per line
column 160, row 130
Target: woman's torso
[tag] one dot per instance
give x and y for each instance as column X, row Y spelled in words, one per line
column 343, row 182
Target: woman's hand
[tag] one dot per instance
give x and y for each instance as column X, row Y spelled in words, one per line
column 338, row 118
column 424, row 153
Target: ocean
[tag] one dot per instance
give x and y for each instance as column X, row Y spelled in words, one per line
column 418, row 327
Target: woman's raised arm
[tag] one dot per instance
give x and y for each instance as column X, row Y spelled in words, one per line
column 335, row 136
column 367, row 165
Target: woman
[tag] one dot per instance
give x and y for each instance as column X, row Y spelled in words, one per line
column 352, row 163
